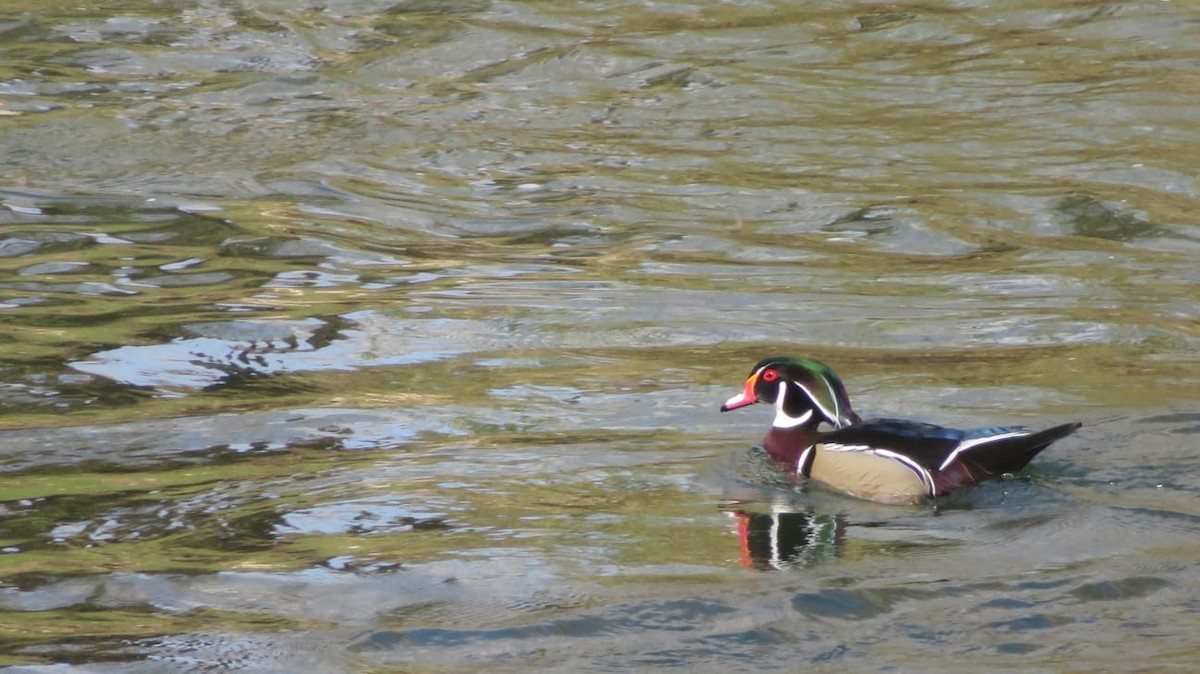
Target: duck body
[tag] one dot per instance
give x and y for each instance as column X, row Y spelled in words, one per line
column 886, row 460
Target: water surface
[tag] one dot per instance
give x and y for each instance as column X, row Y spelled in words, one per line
column 378, row 336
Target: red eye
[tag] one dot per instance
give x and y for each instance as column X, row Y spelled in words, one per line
column 770, row 375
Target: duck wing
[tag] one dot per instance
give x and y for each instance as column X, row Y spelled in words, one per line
column 926, row 445
column 997, row 449
column 994, row 451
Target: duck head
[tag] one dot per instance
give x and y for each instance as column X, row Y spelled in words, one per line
column 803, row 391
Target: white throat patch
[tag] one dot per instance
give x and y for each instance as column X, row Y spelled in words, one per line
column 782, row 420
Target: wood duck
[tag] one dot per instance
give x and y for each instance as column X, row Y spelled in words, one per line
column 887, row 460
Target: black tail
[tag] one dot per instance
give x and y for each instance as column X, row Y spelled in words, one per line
column 1012, row 454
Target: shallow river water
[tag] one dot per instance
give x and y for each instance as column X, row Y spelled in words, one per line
column 386, row 336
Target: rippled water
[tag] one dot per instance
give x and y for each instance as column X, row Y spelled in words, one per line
column 389, row 336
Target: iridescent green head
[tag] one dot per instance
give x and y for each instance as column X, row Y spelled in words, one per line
column 804, row 391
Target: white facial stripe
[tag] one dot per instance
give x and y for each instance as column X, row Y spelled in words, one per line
column 831, row 415
column 782, row 420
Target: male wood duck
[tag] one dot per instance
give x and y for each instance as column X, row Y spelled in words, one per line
column 888, row 460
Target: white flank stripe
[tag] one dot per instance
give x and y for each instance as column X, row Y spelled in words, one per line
column 964, row 446
column 835, row 447
column 917, row 468
column 804, row 457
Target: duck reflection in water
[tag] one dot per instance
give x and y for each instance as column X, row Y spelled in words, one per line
column 780, row 539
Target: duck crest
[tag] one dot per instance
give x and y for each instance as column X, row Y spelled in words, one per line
column 824, row 390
